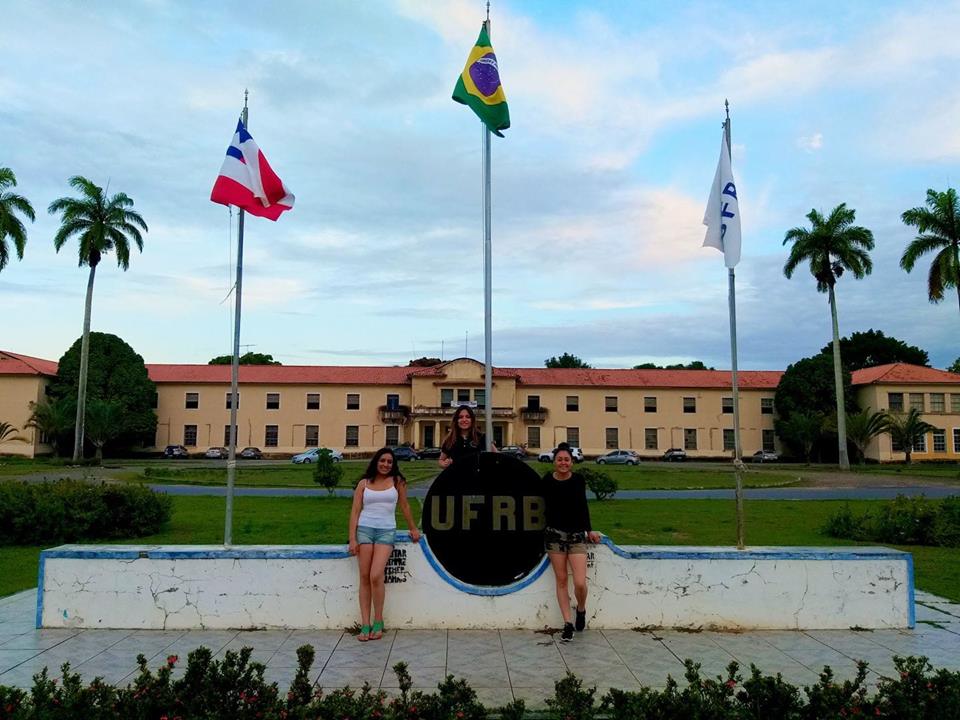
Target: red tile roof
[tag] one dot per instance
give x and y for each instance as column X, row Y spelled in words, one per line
column 570, row 377
column 903, row 374
column 14, row 364
column 281, row 374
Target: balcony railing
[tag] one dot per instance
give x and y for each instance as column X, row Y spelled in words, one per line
column 394, row 413
column 533, row 414
column 428, row 411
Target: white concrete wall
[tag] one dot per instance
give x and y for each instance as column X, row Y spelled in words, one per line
column 173, row 587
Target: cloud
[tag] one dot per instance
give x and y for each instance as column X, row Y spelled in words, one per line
column 810, row 143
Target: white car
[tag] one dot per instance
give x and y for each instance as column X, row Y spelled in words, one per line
column 310, row 456
column 547, row 456
column 762, row 456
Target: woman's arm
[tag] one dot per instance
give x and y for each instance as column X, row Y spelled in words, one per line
column 352, row 545
column 445, row 460
column 592, row 535
column 407, row 513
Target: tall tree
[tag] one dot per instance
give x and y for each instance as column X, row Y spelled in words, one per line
column 906, row 429
column 104, row 418
column 425, row 362
column 939, row 226
column 101, row 224
column 694, row 365
column 832, row 245
column 11, row 226
column 870, row 348
column 862, row 427
column 248, row 358
column 955, row 368
column 52, row 419
column 565, row 361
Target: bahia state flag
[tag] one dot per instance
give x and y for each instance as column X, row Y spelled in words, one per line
column 722, row 216
column 479, row 86
column 247, row 180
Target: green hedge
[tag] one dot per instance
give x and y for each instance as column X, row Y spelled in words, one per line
column 902, row 521
column 235, row 689
column 67, row 511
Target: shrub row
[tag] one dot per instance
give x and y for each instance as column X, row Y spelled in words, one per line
column 235, row 689
column 902, row 521
column 67, row 511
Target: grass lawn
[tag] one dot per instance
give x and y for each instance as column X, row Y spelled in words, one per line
column 321, row 520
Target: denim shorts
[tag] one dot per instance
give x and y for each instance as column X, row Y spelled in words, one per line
column 376, row 536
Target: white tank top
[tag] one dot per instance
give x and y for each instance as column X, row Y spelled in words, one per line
column 379, row 508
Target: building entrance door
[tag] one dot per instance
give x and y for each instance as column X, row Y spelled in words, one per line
column 498, row 434
column 428, row 439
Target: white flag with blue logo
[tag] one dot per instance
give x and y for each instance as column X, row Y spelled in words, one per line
column 722, row 217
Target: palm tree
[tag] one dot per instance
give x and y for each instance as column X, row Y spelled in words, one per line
column 103, row 423
column 8, row 433
column 906, row 430
column 10, row 225
column 862, row 427
column 51, row 419
column 939, row 228
column 102, row 224
column 832, row 245
column 802, row 430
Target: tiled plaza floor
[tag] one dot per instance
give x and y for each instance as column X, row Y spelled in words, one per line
column 499, row 664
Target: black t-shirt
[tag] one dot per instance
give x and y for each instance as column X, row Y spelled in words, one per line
column 566, row 503
column 464, row 447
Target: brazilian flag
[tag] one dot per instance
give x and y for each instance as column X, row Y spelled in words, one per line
column 479, row 86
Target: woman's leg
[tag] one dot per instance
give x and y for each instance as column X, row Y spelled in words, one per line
column 578, row 564
column 558, row 560
column 378, row 568
column 364, row 558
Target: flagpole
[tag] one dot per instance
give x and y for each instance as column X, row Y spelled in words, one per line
column 487, row 281
column 235, row 369
column 732, row 297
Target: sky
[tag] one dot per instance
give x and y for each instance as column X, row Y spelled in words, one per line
column 599, row 186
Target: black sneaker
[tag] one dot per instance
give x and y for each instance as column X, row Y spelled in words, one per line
column 567, row 634
column 581, row 620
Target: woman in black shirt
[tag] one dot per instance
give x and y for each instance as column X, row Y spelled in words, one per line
column 464, row 439
column 566, row 536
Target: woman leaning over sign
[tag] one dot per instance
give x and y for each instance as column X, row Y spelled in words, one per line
column 373, row 528
column 566, row 535
column 464, row 439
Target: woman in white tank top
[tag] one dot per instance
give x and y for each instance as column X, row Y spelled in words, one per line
column 373, row 528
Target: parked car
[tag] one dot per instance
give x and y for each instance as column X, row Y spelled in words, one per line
column 514, row 450
column 576, row 452
column 675, row 455
column 175, row 451
column 762, row 456
column 310, row 456
column 251, row 453
column 429, row 452
column 405, row 453
column 217, row 453
column 619, row 457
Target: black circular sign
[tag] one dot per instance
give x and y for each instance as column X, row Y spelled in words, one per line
column 484, row 518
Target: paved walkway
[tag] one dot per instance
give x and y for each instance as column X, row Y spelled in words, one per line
column 499, row 665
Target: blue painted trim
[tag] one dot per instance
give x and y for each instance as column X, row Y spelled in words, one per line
column 484, row 590
column 755, row 554
column 328, row 552
column 911, row 598
column 40, row 572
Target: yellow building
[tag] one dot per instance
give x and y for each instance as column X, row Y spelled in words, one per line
column 284, row 409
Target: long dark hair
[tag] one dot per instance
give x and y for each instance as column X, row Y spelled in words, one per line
column 371, row 472
column 451, row 439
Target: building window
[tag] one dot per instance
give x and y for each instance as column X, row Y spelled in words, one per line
column 610, row 403
column 650, row 439
column 768, row 441
column 391, row 435
column 271, row 436
column 480, row 398
column 463, row 395
column 689, row 404
column 766, row 406
column 311, row 436
column 273, row 401
column 612, row 438
column 729, row 439
column 573, row 403
column 313, row 401
column 938, row 402
column 690, row 439
column 573, row 436
column 227, row 401
column 895, row 445
column 955, row 402
column 916, row 401
column 939, row 441
column 920, row 445
column 190, row 435
column 895, row 402
column 446, row 397
column 650, row 404
column 726, row 406
column 353, row 436
column 393, row 401
column 533, row 436
column 191, row 401
column 956, row 440
column 226, row 436
column 353, row 401
column 156, row 400
column 533, row 402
